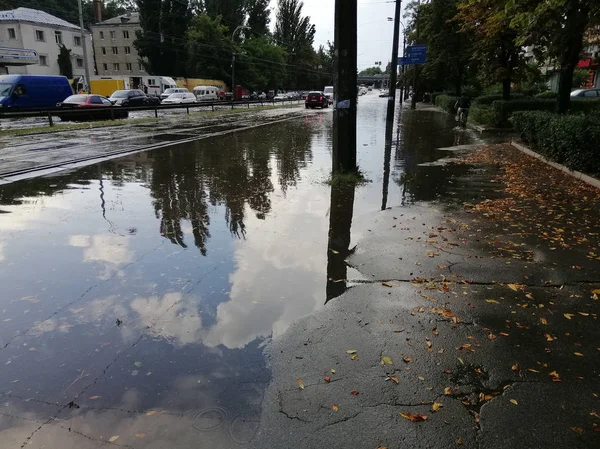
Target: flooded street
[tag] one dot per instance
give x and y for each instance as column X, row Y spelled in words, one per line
column 139, row 293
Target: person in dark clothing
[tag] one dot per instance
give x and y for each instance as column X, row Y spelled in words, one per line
column 462, row 106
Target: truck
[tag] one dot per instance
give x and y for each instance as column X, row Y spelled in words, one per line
column 33, row 91
column 106, row 87
column 151, row 84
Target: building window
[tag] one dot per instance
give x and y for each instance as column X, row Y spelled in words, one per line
column 113, row 34
column 105, row 66
column 79, row 63
column 102, row 35
column 115, row 50
column 58, row 37
column 151, row 82
column 77, row 41
column 103, row 50
column 125, row 34
column 39, row 36
column 116, row 66
column 127, row 50
column 43, row 60
column 12, row 33
column 129, row 67
column 140, row 67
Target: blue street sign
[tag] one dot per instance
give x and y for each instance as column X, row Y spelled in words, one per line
column 402, row 60
column 416, row 54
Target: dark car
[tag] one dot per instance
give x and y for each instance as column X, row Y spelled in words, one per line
column 586, row 93
column 88, row 107
column 316, row 99
column 132, row 97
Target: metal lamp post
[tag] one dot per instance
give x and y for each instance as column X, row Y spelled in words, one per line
column 240, row 27
column 84, row 46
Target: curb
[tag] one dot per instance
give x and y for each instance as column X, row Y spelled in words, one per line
column 575, row 174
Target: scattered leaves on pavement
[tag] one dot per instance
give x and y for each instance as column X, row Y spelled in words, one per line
column 412, row 417
column 436, row 406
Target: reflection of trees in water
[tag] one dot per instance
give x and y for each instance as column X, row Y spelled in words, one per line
column 234, row 173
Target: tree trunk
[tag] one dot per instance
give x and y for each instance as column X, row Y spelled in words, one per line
column 575, row 24
column 506, row 89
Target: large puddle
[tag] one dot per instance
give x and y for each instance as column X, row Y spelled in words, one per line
column 151, row 284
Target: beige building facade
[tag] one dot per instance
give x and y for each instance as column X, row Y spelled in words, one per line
column 113, row 46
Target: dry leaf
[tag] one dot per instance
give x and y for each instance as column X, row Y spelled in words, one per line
column 568, row 316
column 354, row 357
column 504, row 334
column 93, row 398
column 151, row 412
column 354, row 393
column 447, row 391
column 491, row 336
column 140, row 435
column 459, row 441
column 514, row 401
column 412, row 417
column 300, row 383
column 515, row 367
column 543, row 320
column 332, row 371
column 407, row 359
column 392, row 378
column 578, row 430
column 351, row 351
column 578, row 354
column 335, row 407
column 549, row 337
column 387, row 360
column 327, row 379
column 436, row 406
column 435, row 331
column 532, row 370
column 492, row 301
column 385, row 284
column 513, row 287
column 113, row 438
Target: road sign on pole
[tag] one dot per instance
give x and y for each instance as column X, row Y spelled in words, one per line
column 402, row 60
column 416, row 54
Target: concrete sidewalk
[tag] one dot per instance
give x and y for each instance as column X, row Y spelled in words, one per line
column 478, row 326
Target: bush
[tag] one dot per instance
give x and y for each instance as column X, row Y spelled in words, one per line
column 446, row 102
column 567, row 139
column 489, row 99
column 481, row 114
column 503, row 110
column 547, row 94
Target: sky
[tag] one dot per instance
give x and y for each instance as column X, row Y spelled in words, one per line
column 374, row 31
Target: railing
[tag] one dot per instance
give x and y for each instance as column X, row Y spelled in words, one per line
column 113, row 112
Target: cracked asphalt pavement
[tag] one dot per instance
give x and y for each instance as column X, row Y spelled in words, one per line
column 493, row 317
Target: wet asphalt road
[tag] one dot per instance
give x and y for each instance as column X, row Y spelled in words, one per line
column 157, row 300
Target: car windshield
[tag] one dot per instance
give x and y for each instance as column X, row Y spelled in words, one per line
column 75, row 99
column 120, row 94
column 5, row 89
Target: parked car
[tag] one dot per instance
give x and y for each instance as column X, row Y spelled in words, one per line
column 88, row 107
column 132, row 97
column 316, row 99
column 33, row 91
column 180, row 98
column 262, row 96
column 177, row 90
column 586, row 93
column 280, row 97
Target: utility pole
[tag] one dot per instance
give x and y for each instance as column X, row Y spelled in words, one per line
column 394, row 74
column 84, row 46
column 413, row 100
column 240, row 27
column 403, row 67
column 344, row 95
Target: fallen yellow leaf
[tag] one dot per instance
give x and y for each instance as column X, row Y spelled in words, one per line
column 140, row 435
column 436, row 406
column 387, row 360
column 459, row 441
column 543, row 320
column 513, row 401
column 351, row 351
column 300, row 383
column 568, row 316
column 447, row 391
column 392, row 378
column 151, row 412
column 332, row 371
column 492, row 301
column 335, row 408
column 578, row 354
column 354, row 357
column 113, row 438
column 93, row 398
column 407, row 359
column 513, row 287
column 549, row 337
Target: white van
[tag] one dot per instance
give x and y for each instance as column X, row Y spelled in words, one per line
column 328, row 91
column 206, row 93
column 173, row 90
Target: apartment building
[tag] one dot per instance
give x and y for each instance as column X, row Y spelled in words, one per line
column 31, row 29
column 113, row 46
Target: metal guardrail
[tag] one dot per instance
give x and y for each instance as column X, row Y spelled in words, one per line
column 49, row 113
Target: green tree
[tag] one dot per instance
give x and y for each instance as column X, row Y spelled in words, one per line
column 555, row 29
column 261, row 65
column 65, row 65
column 161, row 41
column 295, row 34
column 497, row 52
column 258, row 17
column 232, row 12
column 371, row 71
column 209, row 48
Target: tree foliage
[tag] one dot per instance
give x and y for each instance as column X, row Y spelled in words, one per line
column 370, row 71
column 258, row 17
column 65, row 65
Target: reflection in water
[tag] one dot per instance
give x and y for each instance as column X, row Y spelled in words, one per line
column 389, row 125
column 338, row 247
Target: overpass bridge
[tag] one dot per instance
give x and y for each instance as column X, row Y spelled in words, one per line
column 378, row 81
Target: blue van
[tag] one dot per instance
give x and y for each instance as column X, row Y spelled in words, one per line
column 33, row 91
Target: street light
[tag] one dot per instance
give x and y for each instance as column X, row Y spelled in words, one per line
column 240, row 27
